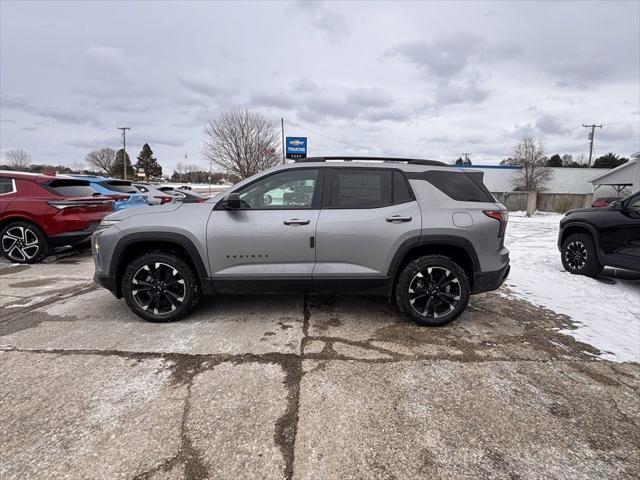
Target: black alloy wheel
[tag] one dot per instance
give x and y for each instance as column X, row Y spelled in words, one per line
column 579, row 255
column 432, row 290
column 23, row 242
column 160, row 287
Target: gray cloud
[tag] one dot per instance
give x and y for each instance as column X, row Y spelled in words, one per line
column 548, row 124
column 411, row 79
column 329, row 22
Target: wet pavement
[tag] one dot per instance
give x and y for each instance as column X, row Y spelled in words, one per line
column 299, row 387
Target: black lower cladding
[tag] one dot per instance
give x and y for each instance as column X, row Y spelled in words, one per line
column 302, row 285
column 71, row 238
column 108, row 282
column 488, row 281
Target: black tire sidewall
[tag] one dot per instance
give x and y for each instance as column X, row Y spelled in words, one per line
column 592, row 266
column 43, row 244
column 191, row 286
column 421, row 264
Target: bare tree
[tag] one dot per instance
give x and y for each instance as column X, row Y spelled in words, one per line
column 103, row 159
column 534, row 174
column 241, row 142
column 18, row 159
column 77, row 166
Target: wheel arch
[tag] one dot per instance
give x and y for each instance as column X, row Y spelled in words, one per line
column 580, row 227
column 20, row 218
column 136, row 244
column 458, row 249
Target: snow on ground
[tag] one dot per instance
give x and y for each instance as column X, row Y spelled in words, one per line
column 606, row 316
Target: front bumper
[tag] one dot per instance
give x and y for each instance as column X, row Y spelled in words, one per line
column 108, row 282
column 488, row 281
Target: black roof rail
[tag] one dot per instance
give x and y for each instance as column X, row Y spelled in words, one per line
column 413, row 161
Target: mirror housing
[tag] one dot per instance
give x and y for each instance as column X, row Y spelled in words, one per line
column 617, row 205
column 231, row 201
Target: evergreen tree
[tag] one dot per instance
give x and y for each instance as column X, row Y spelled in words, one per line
column 610, row 160
column 148, row 163
column 459, row 161
column 555, row 161
column 118, row 170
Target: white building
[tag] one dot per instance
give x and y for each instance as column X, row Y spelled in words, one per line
column 563, row 180
column 625, row 178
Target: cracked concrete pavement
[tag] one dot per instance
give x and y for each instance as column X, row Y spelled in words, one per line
column 299, row 387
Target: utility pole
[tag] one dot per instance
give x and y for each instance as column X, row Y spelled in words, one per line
column 283, row 154
column 591, row 135
column 124, row 150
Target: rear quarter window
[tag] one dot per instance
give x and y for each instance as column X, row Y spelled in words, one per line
column 71, row 188
column 460, row 186
column 6, row 185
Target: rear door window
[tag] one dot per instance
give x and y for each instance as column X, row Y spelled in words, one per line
column 359, row 188
column 71, row 188
column 6, row 185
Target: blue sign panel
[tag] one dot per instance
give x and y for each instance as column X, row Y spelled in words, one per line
column 296, row 147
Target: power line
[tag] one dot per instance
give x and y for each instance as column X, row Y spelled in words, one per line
column 591, row 135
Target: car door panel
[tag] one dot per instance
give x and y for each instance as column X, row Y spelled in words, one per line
column 248, row 243
column 271, row 235
column 366, row 215
column 361, row 242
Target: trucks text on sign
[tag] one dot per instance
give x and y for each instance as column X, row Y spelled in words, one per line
column 296, row 147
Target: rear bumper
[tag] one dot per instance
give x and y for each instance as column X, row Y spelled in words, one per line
column 488, row 281
column 71, row 238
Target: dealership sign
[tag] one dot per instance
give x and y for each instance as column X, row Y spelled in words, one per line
column 296, row 147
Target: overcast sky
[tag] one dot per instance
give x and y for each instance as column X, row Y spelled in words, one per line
column 424, row 79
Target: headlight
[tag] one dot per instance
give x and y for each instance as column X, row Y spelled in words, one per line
column 106, row 224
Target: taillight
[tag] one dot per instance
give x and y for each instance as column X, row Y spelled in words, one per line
column 119, row 198
column 164, row 199
column 502, row 216
column 200, row 200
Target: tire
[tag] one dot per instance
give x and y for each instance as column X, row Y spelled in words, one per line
column 23, row 242
column 579, row 256
column 160, row 287
column 445, row 286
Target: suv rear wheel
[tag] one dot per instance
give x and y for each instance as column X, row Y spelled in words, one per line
column 23, row 242
column 432, row 290
column 160, row 287
column 579, row 255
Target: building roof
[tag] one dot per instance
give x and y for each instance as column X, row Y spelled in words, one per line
column 621, row 175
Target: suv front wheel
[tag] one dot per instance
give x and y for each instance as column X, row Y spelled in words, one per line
column 160, row 287
column 432, row 290
column 579, row 255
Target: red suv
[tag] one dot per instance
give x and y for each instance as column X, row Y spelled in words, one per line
column 38, row 212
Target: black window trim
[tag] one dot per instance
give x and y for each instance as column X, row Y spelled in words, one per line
column 327, row 194
column 316, row 201
column 13, row 186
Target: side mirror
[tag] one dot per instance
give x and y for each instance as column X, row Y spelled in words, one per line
column 231, row 201
column 617, row 205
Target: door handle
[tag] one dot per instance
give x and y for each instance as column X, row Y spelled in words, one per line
column 295, row 221
column 398, row 218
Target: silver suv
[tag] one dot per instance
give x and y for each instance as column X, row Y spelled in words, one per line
column 424, row 233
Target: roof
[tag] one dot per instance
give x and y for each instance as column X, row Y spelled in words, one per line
column 410, row 161
column 40, row 177
column 621, row 175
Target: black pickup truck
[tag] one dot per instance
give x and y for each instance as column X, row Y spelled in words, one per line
column 592, row 238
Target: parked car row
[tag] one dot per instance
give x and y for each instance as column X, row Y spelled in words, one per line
column 39, row 212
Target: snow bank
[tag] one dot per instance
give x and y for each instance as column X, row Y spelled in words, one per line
column 606, row 316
